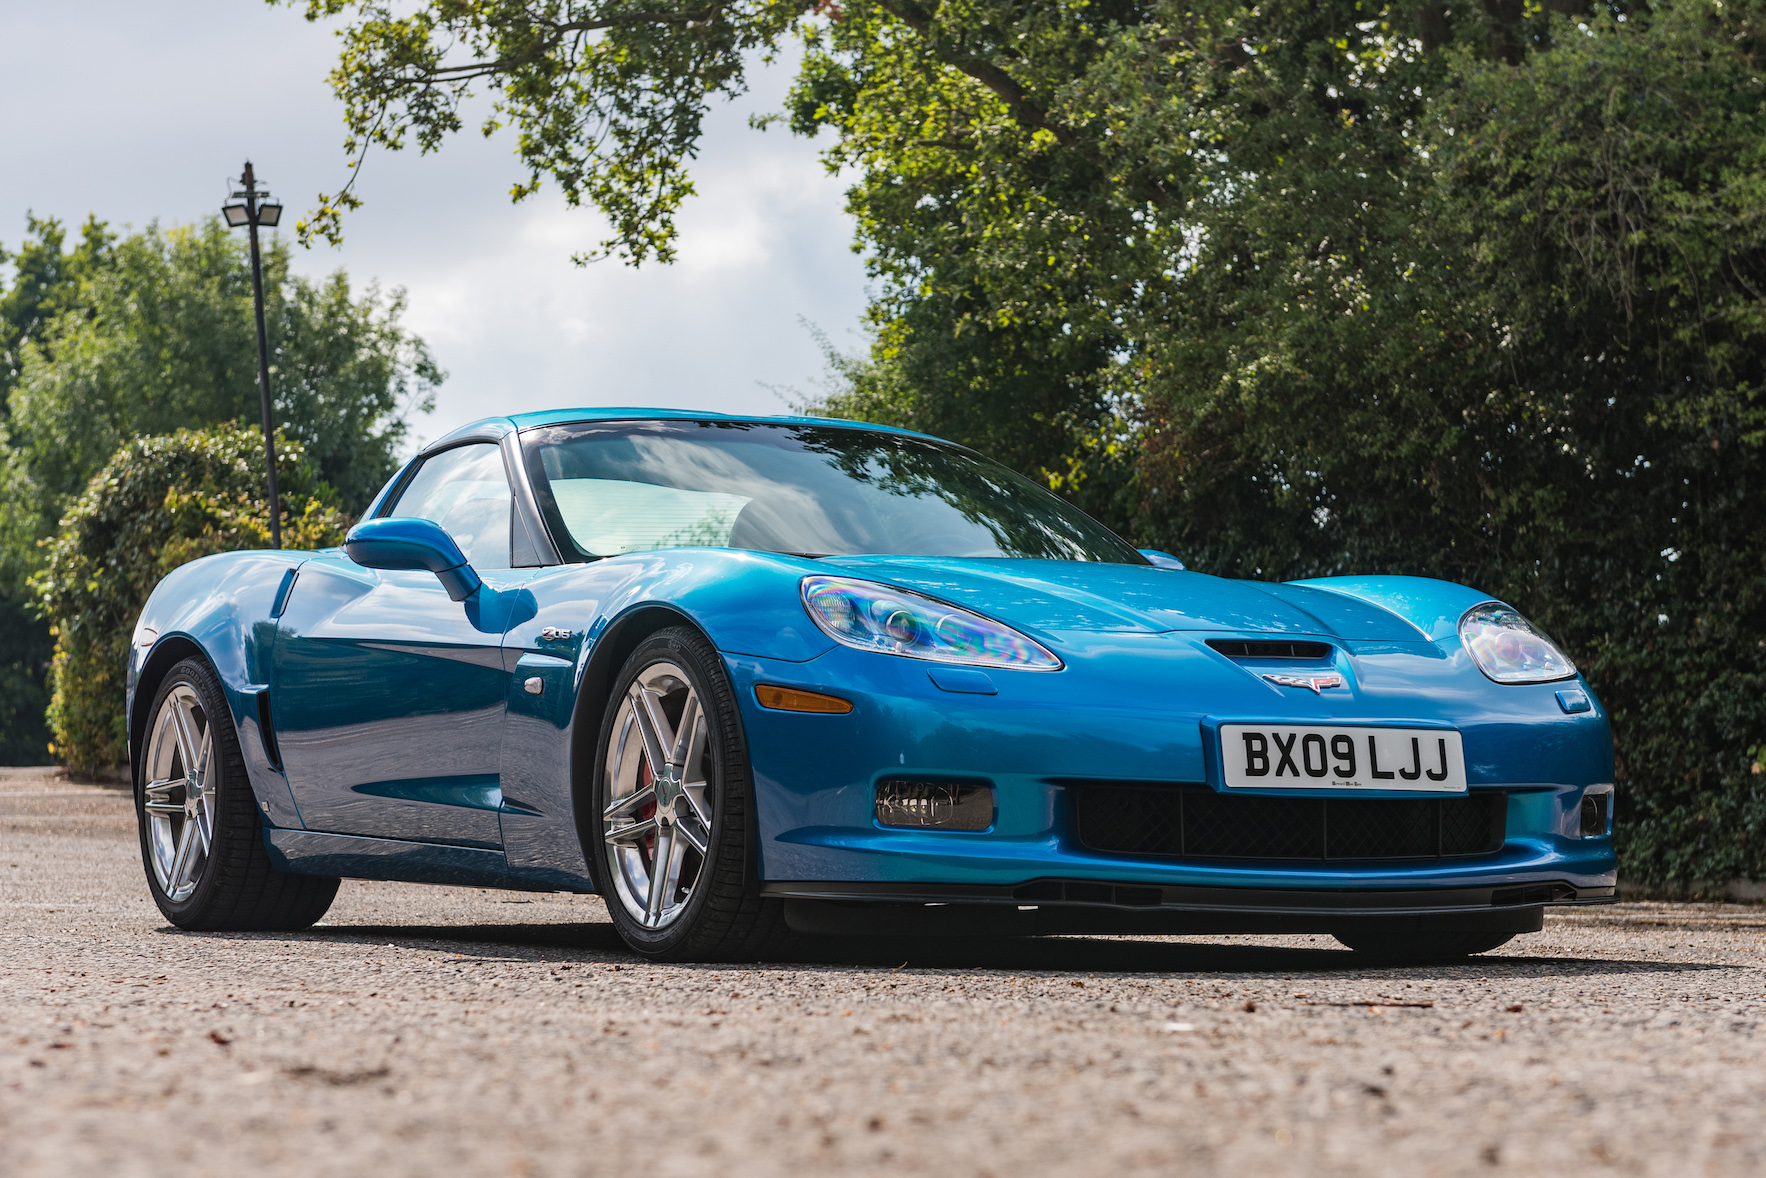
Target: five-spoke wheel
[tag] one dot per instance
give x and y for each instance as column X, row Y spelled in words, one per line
column 673, row 808
column 180, row 812
column 657, row 827
column 201, row 838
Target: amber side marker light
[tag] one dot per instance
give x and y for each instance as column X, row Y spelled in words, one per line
column 789, row 699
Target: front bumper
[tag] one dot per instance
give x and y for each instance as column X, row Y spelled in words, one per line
column 1132, row 709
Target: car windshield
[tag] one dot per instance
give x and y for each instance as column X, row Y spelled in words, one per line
column 608, row 488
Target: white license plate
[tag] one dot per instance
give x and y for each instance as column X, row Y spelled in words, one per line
column 1280, row 756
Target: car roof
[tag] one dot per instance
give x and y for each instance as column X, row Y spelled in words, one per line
column 489, row 427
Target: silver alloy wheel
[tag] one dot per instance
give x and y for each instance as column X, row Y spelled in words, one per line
column 180, row 805
column 657, row 824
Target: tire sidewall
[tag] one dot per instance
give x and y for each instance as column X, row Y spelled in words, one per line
column 727, row 770
column 199, row 678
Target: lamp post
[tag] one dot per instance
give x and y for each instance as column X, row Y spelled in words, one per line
column 252, row 206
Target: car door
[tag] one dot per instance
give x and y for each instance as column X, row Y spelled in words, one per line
column 389, row 698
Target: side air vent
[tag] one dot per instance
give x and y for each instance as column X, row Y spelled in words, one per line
column 267, row 731
column 1259, row 648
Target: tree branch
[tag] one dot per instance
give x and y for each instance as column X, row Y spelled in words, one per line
column 1029, row 113
column 481, row 69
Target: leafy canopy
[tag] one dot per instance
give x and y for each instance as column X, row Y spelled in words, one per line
column 606, row 97
column 159, row 334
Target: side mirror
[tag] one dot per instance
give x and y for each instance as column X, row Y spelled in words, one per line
column 1161, row 560
column 405, row 543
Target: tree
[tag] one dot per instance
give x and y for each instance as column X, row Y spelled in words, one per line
column 1028, row 172
column 1542, row 376
column 160, row 335
column 44, row 277
column 146, row 333
column 1473, row 290
column 1492, row 313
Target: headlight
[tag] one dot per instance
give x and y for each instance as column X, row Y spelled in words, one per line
column 1508, row 649
column 869, row 616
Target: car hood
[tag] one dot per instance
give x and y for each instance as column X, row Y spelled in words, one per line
column 1094, row 596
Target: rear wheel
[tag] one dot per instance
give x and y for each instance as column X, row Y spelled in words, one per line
column 1420, row 948
column 673, row 810
column 201, row 840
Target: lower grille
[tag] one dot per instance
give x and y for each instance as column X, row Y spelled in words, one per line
column 1199, row 823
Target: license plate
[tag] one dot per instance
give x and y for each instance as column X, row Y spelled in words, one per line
column 1279, row 756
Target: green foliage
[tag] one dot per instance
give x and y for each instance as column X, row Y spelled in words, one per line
column 45, row 279
column 607, row 96
column 159, row 335
column 1491, row 313
column 1522, row 352
column 25, row 649
column 159, row 503
column 117, row 338
column 1473, row 290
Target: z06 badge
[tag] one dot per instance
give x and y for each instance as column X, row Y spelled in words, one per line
column 1317, row 683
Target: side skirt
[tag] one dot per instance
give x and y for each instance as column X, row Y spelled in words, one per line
column 305, row 852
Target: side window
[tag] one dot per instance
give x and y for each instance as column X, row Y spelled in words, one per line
column 466, row 491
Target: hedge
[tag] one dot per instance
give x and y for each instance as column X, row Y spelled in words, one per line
column 159, row 503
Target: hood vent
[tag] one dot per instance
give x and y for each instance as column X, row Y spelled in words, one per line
column 1258, row 648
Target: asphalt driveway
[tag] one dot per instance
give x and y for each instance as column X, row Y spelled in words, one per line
column 447, row 1031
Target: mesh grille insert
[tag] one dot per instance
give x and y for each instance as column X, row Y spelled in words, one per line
column 1199, row 823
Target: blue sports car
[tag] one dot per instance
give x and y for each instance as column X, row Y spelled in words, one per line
column 748, row 678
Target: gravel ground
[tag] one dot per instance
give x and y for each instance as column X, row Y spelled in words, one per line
column 459, row 1031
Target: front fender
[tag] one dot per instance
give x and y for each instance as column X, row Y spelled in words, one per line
column 742, row 602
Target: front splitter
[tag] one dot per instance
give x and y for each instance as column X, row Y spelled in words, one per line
column 1048, row 907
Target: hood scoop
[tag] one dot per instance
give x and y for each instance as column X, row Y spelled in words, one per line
column 1258, row 648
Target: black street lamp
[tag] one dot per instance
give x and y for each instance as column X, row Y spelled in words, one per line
column 252, row 206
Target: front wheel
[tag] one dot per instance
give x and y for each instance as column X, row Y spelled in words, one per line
column 1419, row 948
column 673, row 810
column 201, row 840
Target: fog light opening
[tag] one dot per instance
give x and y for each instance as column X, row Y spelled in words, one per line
column 934, row 805
column 1597, row 813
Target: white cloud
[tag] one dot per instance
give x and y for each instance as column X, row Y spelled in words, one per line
column 169, row 98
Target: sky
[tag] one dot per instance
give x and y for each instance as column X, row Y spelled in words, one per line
column 140, row 110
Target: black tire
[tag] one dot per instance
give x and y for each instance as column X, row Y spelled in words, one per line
column 1420, row 948
column 723, row 916
column 236, row 888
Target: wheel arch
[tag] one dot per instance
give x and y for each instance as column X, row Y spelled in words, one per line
column 167, row 653
column 609, row 654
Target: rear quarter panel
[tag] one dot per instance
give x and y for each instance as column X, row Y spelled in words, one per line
column 218, row 607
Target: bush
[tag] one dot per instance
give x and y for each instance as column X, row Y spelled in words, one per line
column 159, row 503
